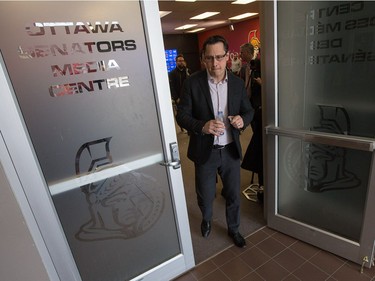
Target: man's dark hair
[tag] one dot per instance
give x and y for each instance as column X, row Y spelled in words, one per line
column 213, row 40
column 180, row 56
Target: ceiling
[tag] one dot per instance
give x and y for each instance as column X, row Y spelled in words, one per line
column 183, row 11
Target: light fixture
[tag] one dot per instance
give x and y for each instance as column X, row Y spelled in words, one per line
column 243, row 2
column 164, row 13
column 195, row 30
column 185, row 0
column 231, row 27
column 204, row 15
column 242, row 16
column 186, row 26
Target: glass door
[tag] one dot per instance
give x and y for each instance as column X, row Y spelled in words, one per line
column 320, row 124
column 88, row 122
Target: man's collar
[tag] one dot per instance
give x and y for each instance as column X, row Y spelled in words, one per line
column 211, row 79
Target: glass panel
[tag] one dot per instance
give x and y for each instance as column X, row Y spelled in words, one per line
column 83, row 83
column 326, row 62
column 121, row 226
column 325, row 72
column 322, row 184
column 82, row 80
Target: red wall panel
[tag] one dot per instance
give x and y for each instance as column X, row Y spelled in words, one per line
column 240, row 35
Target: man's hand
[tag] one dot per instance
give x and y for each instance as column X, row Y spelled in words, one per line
column 236, row 121
column 214, row 127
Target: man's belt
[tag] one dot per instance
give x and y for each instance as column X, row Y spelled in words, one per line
column 219, row 146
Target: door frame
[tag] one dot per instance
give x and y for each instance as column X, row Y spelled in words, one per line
column 32, row 192
column 340, row 246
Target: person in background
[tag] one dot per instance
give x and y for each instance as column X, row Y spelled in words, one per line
column 214, row 108
column 251, row 74
column 235, row 63
column 176, row 79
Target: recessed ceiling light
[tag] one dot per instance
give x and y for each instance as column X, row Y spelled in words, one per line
column 164, row 13
column 246, row 15
column 186, row 26
column 195, row 30
column 204, row 15
column 243, row 2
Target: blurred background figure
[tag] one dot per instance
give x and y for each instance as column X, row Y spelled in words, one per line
column 235, row 63
column 176, row 79
column 251, row 74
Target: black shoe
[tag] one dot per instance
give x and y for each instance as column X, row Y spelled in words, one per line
column 205, row 228
column 238, row 240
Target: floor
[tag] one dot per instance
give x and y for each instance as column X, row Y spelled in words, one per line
column 273, row 256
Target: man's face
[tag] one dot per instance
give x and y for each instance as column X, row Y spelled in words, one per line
column 180, row 62
column 215, row 59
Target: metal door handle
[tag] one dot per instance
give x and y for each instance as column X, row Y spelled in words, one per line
column 175, row 163
column 352, row 142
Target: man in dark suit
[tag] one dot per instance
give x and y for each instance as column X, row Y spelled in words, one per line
column 214, row 108
column 176, row 79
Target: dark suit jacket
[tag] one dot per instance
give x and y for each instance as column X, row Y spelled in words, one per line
column 176, row 80
column 256, row 89
column 195, row 109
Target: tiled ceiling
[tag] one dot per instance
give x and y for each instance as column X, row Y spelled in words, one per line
column 183, row 11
